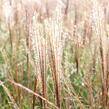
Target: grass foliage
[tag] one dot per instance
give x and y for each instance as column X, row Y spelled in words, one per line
column 54, row 58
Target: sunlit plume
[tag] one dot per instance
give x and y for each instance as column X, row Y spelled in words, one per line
column 7, row 11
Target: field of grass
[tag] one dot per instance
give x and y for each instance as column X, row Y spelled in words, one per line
column 54, row 58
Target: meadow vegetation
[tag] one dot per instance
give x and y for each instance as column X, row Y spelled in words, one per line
column 54, row 54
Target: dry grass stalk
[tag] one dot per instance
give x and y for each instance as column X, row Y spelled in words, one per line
column 32, row 92
column 27, row 42
column 39, row 49
column 9, row 95
column 42, row 60
column 35, row 90
column 105, row 75
column 55, row 75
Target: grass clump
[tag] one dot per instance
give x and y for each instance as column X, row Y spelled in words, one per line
column 54, row 54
